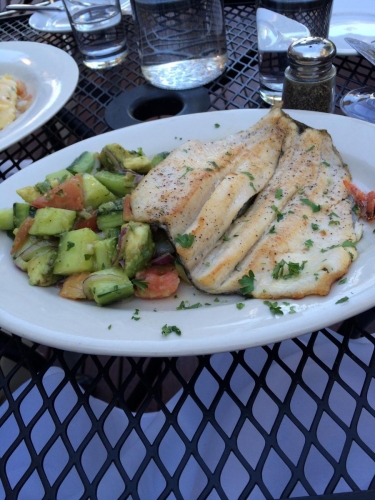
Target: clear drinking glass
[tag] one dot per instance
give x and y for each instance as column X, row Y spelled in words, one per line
column 99, row 31
column 360, row 103
column 279, row 23
column 182, row 43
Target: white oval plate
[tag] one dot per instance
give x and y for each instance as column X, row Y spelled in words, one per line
column 50, row 76
column 352, row 19
column 40, row 315
column 57, row 22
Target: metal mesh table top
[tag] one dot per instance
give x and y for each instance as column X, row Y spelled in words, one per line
column 294, row 419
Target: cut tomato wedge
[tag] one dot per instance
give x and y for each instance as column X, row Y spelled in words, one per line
column 72, row 287
column 161, row 281
column 127, row 213
column 90, row 223
column 365, row 201
column 21, row 234
column 68, row 195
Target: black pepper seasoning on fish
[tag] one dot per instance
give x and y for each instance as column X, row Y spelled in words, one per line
column 310, row 79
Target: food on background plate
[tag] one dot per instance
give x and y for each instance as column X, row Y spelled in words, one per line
column 14, row 100
column 262, row 213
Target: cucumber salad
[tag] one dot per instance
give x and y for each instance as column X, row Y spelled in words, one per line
column 73, row 230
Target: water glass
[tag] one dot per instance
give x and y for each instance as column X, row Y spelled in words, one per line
column 182, row 43
column 279, row 23
column 99, row 31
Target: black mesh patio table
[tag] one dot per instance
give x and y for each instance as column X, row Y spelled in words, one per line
column 293, row 419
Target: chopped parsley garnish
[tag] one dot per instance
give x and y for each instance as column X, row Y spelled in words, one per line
column 334, row 223
column 314, row 226
column 217, row 125
column 240, row 305
column 279, row 194
column 356, row 209
column 279, row 215
column 185, row 305
column 346, row 244
column 343, row 280
column 136, row 315
column 251, row 177
column 70, row 245
column 275, row 309
column 326, row 163
column 109, row 327
column 314, row 208
column 188, row 169
column 214, row 164
column 185, row 240
column 87, row 256
column 141, row 283
column 294, row 269
column 247, row 282
column 272, row 230
column 309, row 244
column 310, row 149
column 166, row 330
column 341, row 301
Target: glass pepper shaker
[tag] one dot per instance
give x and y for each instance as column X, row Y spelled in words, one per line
column 310, row 78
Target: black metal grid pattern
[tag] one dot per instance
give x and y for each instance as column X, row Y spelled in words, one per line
column 138, row 387
column 311, row 398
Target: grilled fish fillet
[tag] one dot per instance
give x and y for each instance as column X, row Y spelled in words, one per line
column 295, row 239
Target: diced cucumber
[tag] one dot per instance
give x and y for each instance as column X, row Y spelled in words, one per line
column 115, row 158
column 52, row 221
column 76, row 252
column 58, row 177
column 20, row 212
column 86, row 162
column 108, row 221
column 28, row 193
column 140, row 164
column 95, row 192
column 118, row 184
column 108, row 286
column 6, row 219
column 104, row 251
column 110, row 215
column 40, row 269
column 112, row 232
column 137, row 247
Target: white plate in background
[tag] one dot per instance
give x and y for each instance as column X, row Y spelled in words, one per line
column 352, row 18
column 50, row 75
column 39, row 314
column 57, row 21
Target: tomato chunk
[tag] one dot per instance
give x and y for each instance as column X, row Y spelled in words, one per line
column 127, row 213
column 90, row 223
column 22, row 233
column 162, row 282
column 73, row 286
column 68, row 195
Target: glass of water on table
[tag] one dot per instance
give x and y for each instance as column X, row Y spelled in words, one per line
column 279, row 23
column 181, row 43
column 99, row 31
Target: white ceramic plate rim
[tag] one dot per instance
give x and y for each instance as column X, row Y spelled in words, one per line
column 57, row 22
column 347, row 21
column 40, row 315
column 50, row 75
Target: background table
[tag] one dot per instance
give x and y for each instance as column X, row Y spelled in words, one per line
column 302, row 411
